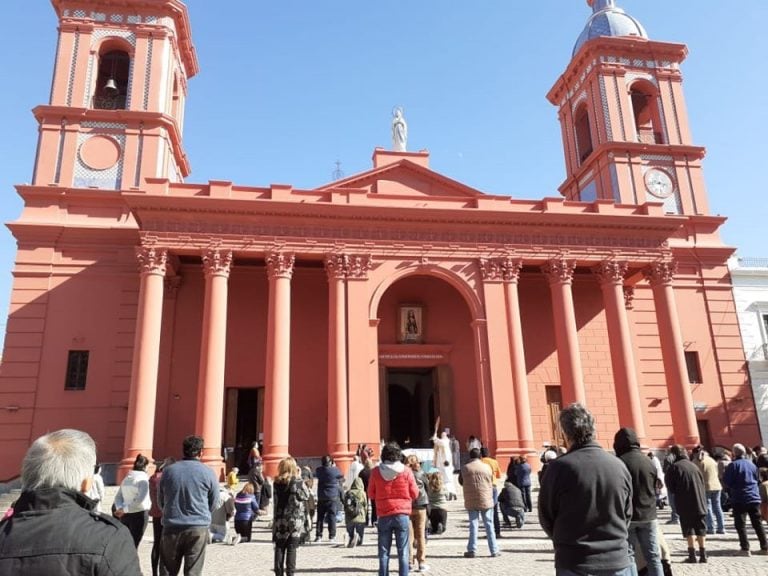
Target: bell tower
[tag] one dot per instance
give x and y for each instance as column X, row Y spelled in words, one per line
column 623, row 118
column 116, row 108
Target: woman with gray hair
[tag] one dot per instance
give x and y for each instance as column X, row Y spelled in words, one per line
column 52, row 529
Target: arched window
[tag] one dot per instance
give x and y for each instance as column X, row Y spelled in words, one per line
column 583, row 134
column 647, row 124
column 111, row 90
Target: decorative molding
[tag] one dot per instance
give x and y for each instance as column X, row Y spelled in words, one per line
column 634, row 239
column 629, row 297
column 152, row 260
column 279, row 265
column 661, row 272
column 358, row 266
column 217, row 262
column 559, row 270
column 611, row 272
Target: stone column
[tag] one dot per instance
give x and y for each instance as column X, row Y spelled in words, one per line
column 140, row 422
column 502, row 423
column 660, row 275
column 559, row 271
column 610, row 274
column 277, row 380
column 480, row 339
column 213, row 348
column 338, row 410
column 511, row 274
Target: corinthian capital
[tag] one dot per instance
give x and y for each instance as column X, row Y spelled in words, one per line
column 491, row 269
column 510, row 269
column 611, row 272
column 280, row 265
column 661, row 272
column 335, row 266
column 152, row 260
column 217, row 262
column 559, row 270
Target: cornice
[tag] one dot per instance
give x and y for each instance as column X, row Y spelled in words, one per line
column 133, row 119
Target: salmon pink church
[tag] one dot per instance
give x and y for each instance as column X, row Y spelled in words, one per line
column 146, row 307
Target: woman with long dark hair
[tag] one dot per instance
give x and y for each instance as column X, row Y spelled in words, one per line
column 132, row 501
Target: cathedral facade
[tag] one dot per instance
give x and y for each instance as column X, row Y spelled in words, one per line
column 146, row 307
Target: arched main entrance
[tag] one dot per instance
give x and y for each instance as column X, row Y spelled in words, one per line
column 427, row 362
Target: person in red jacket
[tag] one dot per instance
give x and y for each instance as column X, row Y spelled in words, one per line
column 393, row 488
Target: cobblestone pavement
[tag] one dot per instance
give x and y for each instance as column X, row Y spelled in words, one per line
column 525, row 552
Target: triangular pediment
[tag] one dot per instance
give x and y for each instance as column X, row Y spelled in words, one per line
column 404, row 178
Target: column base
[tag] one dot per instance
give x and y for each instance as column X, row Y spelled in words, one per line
column 688, row 441
column 343, row 459
column 271, row 461
column 214, row 461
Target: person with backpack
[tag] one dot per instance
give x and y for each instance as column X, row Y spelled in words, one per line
column 418, row 517
column 355, row 504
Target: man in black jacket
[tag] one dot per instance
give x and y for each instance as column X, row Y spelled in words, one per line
column 53, row 529
column 642, row 529
column 328, row 477
column 686, row 482
column 585, row 502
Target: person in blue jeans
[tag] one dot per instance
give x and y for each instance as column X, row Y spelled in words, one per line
column 709, row 471
column 393, row 488
column 523, row 471
column 477, row 479
column 328, row 500
column 642, row 528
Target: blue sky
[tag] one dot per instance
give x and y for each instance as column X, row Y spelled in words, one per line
column 289, row 87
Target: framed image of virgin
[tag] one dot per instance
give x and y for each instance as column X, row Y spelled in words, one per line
column 410, row 326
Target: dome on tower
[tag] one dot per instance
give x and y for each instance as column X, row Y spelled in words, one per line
column 608, row 20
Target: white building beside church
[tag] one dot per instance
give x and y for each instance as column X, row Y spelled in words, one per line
column 750, row 293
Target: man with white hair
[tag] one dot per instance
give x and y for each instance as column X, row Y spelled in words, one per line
column 53, row 528
column 741, row 479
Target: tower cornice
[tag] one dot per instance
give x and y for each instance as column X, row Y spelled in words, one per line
column 133, row 119
column 593, row 52
column 176, row 9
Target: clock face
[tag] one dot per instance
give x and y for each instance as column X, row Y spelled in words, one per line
column 659, row 183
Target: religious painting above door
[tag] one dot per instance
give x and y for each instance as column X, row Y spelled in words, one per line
column 410, row 324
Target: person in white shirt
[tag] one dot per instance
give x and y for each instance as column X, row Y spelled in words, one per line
column 97, row 488
column 132, row 501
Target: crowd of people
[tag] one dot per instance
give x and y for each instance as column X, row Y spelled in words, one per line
column 599, row 509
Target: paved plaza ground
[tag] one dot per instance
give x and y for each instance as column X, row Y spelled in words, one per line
column 526, row 552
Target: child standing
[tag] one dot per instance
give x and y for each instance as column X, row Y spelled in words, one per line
column 355, row 505
column 232, row 480
column 764, row 493
column 246, row 509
